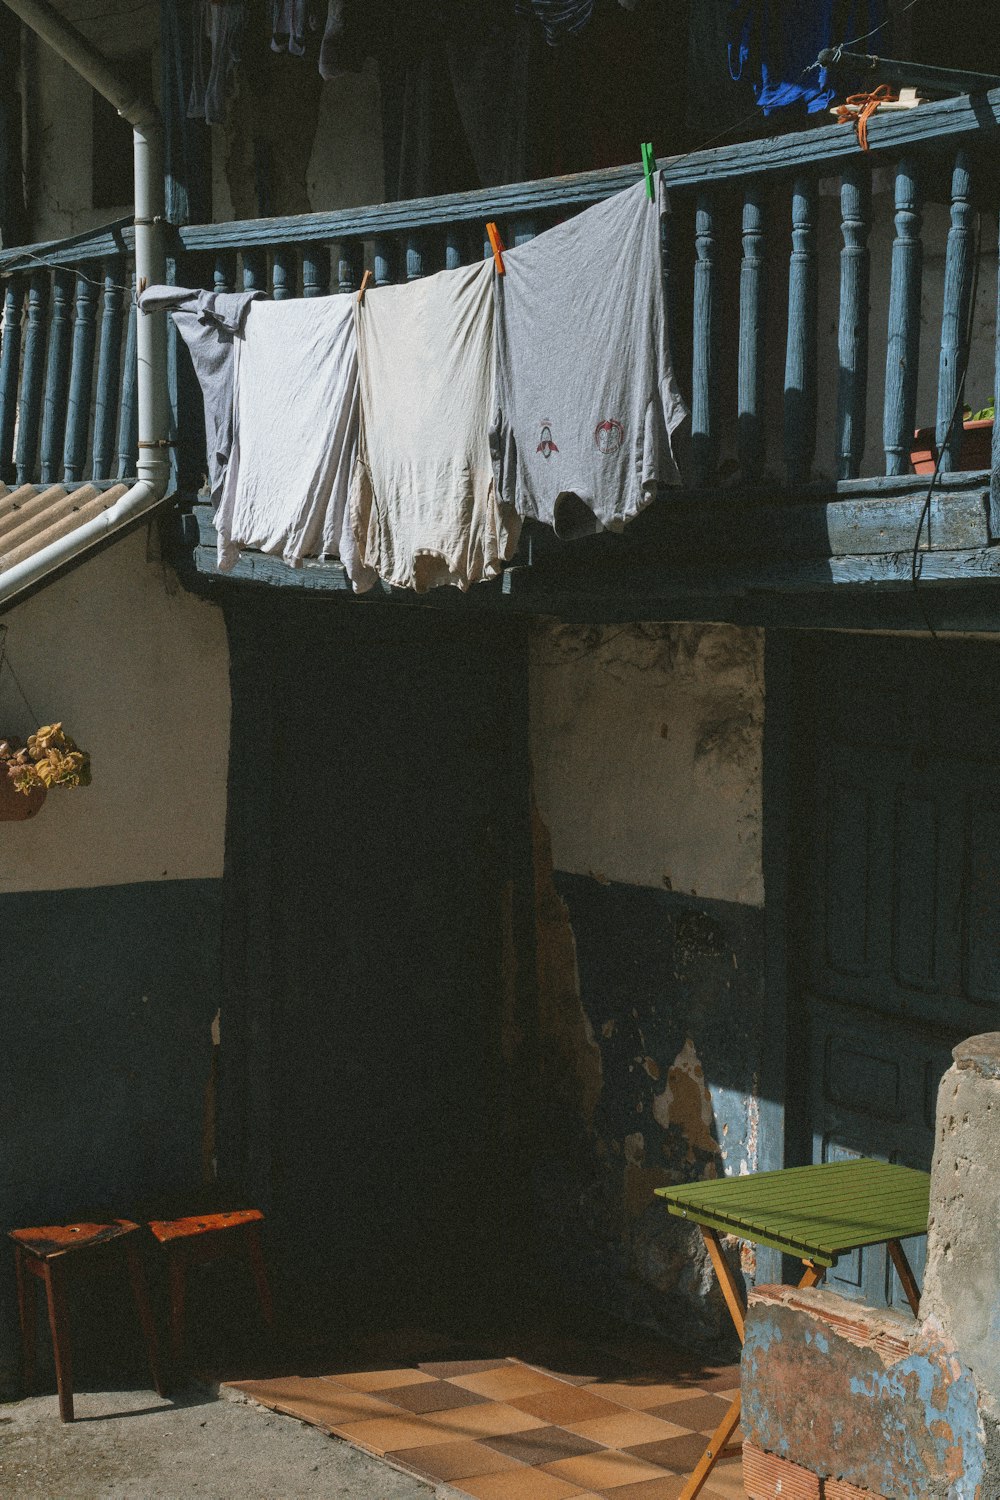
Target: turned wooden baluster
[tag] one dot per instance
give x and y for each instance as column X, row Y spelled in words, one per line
column 57, row 376
column 955, row 327
column 704, row 419
column 383, row 259
column 852, row 331
column 254, row 270
column 32, row 377
column 109, row 366
column 81, row 380
column 315, row 270
column 903, row 351
column 10, row 362
column 350, row 266
column 750, row 385
column 283, row 273
column 800, row 346
column 224, row 272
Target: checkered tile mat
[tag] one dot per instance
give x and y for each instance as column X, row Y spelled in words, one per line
column 500, row 1429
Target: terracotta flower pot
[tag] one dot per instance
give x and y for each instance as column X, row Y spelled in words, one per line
column 976, row 451
column 16, row 806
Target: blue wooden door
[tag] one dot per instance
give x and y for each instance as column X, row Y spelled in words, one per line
column 899, row 883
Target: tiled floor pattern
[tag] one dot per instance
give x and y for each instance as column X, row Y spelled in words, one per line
column 502, row 1429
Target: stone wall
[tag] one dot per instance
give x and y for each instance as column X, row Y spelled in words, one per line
column 962, row 1281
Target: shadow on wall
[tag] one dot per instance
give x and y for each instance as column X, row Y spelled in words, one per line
column 646, row 751
column 628, row 978
column 108, row 997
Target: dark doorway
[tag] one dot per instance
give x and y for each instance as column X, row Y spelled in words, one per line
column 895, row 871
column 377, row 845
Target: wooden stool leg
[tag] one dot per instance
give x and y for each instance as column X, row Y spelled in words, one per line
column 55, row 1293
column 175, row 1276
column 260, row 1273
column 141, row 1298
column 27, row 1314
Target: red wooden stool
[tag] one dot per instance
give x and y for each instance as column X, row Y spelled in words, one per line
column 206, row 1237
column 45, row 1253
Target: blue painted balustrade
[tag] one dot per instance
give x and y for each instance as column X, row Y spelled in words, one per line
column 796, row 377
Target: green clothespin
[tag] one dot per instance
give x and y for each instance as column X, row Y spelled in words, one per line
column 648, row 167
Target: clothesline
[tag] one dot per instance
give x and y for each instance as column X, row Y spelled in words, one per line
column 410, row 435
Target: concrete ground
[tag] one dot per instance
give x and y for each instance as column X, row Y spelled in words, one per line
column 131, row 1445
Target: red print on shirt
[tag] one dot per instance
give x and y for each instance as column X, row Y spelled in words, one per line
column 609, row 436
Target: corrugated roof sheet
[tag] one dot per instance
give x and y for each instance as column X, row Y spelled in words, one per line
column 34, row 515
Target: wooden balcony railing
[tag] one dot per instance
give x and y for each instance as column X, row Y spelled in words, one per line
column 799, row 302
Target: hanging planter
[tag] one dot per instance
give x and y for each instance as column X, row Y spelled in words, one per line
column 28, row 772
column 17, row 806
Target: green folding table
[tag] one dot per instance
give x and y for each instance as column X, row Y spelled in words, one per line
column 814, row 1213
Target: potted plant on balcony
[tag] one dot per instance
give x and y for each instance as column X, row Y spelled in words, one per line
column 29, row 771
column 977, row 442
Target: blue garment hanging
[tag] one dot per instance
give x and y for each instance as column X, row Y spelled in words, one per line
column 774, row 44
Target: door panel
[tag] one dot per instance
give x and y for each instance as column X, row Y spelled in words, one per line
column 899, row 854
column 397, row 791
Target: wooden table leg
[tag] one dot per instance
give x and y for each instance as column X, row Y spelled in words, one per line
column 716, row 1443
column 733, row 1291
column 260, row 1273
column 906, row 1277
column 175, row 1276
column 55, row 1295
column 27, row 1314
column 141, row 1298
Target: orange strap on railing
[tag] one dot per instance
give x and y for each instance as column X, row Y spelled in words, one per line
column 860, row 107
column 496, row 243
column 366, row 282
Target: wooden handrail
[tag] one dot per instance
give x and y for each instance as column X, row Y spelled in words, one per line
column 824, row 149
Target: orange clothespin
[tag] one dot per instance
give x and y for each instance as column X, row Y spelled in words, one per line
column 496, row 244
column 366, row 282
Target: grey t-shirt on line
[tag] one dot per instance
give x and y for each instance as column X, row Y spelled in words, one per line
column 586, row 400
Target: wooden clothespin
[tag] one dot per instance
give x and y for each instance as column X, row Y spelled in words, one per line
column 366, row 282
column 496, row 244
column 648, row 167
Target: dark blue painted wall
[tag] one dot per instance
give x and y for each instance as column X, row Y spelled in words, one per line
column 656, row 969
column 106, row 1003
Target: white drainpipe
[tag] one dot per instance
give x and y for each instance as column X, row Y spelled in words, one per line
column 150, row 267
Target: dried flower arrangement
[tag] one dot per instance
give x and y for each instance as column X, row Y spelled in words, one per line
column 49, row 759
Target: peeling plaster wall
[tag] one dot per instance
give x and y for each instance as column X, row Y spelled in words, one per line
column 110, row 902
column 646, row 759
column 646, row 751
column 892, row 1408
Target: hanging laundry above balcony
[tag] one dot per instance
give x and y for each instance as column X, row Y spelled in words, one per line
column 208, row 322
column 424, row 503
column 295, row 438
column 586, row 397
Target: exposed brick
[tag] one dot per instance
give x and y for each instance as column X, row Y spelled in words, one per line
column 839, row 1489
column 768, row 1477
column 889, row 1333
